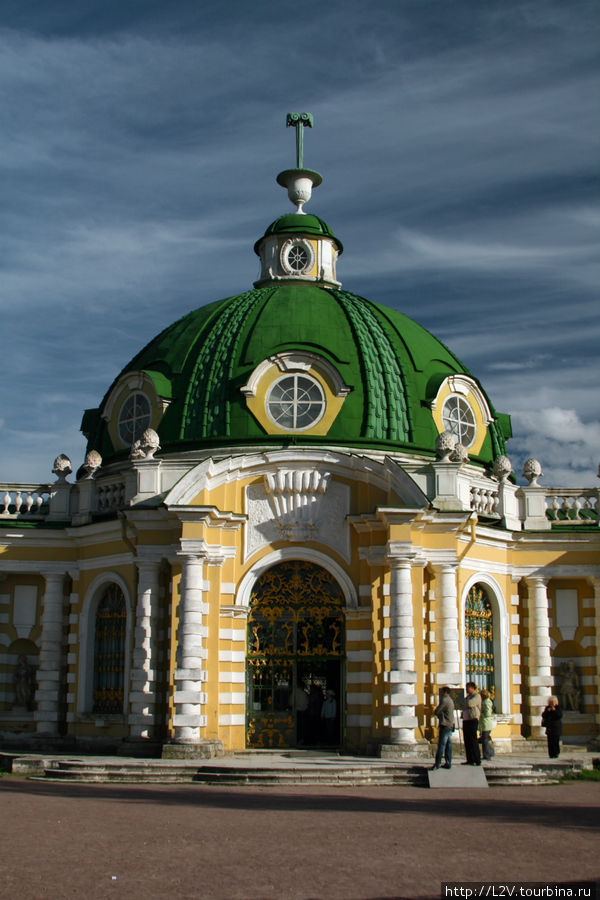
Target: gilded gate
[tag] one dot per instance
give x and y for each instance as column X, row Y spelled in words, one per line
column 295, row 657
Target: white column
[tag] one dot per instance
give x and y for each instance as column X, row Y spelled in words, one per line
column 447, row 651
column 142, row 697
column 540, row 680
column 50, row 672
column 190, row 676
column 402, row 654
column 595, row 582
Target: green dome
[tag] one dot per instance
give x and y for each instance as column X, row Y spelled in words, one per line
column 296, row 223
column 391, row 364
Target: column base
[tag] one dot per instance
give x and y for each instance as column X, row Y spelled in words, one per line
column 419, row 749
column 204, row 749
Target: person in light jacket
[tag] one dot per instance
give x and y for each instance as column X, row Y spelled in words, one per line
column 486, row 724
column 445, row 713
column 470, row 715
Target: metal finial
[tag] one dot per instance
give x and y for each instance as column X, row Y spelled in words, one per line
column 299, row 121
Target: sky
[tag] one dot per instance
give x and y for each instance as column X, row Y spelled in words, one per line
column 458, row 143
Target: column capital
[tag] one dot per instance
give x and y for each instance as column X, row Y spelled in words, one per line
column 534, row 580
column 54, row 576
column 193, row 549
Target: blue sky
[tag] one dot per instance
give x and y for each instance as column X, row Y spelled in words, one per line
column 459, row 148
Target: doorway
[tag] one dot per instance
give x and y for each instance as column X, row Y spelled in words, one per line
column 295, row 663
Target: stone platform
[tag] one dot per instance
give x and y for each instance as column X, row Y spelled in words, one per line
column 269, row 768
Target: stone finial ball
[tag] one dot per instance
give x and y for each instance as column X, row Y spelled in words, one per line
column 502, row 467
column 93, row 460
column 459, row 454
column 532, row 469
column 62, row 465
column 445, row 444
column 150, row 439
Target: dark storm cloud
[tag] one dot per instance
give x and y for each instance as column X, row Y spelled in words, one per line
column 459, row 145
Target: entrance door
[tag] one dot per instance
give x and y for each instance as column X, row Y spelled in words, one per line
column 295, row 658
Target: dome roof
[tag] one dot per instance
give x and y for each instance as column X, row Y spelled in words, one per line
column 199, row 365
column 300, row 223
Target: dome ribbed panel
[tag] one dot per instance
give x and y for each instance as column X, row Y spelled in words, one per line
column 386, row 404
column 207, row 404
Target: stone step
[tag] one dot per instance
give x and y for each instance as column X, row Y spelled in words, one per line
column 78, row 770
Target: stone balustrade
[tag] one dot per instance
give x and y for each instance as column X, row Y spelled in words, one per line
column 110, row 494
column 485, row 501
column 24, row 501
column 572, row 506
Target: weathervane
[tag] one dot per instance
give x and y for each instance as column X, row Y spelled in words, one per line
column 299, row 181
column 299, row 121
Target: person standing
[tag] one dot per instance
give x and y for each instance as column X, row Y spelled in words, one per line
column 470, row 715
column 552, row 722
column 486, row 723
column 445, row 713
column 328, row 717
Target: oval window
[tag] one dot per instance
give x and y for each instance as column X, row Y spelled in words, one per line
column 458, row 419
column 134, row 417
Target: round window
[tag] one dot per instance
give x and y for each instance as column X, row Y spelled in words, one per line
column 134, row 417
column 458, row 419
column 297, row 257
column 295, row 402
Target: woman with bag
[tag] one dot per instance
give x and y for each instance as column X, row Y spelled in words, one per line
column 486, row 724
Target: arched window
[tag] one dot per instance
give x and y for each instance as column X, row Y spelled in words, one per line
column 479, row 639
column 109, row 651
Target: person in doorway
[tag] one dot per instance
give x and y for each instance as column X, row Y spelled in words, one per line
column 315, row 702
column 470, row 715
column 445, row 713
column 301, row 711
column 486, row 724
column 328, row 717
column 552, row 722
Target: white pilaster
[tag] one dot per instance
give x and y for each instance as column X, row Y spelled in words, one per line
column 540, row 661
column 49, row 673
column 446, row 627
column 142, row 697
column 595, row 582
column 402, row 654
column 191, row 673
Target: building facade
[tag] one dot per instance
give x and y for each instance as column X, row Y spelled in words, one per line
column 296, row 520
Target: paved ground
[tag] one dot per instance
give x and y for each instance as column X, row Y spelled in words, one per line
column 197, row 841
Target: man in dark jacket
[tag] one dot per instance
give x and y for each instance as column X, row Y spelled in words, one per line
column 470, row 715
column 445, row 713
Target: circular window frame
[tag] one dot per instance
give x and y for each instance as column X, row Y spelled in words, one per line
column 136, row 431
column 284, row 256
column 459, row 401
column 296, row 376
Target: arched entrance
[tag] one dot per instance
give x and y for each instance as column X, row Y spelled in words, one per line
column 295, row 658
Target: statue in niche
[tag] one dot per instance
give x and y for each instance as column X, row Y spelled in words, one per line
column 24, row 684
column 568, row 689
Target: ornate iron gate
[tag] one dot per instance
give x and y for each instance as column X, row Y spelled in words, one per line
column 295, row 658
column 479, row 634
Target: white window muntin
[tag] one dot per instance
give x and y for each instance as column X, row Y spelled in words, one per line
column 134, row 417
column 295, row 402
column 459, row 420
